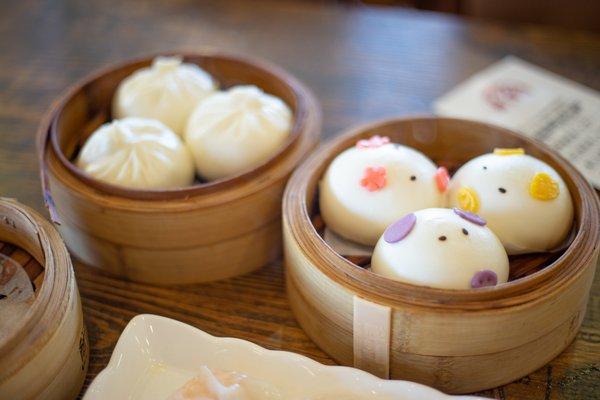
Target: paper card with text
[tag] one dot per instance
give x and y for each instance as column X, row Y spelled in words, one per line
column 517, row 95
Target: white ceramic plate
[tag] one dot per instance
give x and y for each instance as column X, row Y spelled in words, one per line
column 155, row 356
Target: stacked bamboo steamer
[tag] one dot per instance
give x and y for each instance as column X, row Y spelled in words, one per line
column 456, row 340
column 45, row 355
column 208, row 231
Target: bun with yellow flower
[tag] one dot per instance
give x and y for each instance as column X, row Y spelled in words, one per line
column 524, row 200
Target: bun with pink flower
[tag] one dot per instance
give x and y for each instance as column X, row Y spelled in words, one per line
column 374, row 183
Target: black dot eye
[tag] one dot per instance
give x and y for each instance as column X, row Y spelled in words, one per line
column 466, row 232
column 484, row 167
column 442, row 238
column 501, row 190
column 413, row 178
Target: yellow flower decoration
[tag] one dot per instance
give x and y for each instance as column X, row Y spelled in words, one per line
column 468, row 199
column 543, row 187
column 509, row 152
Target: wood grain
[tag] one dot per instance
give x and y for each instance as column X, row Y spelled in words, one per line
column 363, row 63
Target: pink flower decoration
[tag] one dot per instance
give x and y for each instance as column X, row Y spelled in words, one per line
column 373, row 142
column 374, row 178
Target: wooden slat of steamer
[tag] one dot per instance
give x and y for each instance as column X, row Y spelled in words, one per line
column 450, row 369
column 6, row 248
column 172, row 266
column 31, row 266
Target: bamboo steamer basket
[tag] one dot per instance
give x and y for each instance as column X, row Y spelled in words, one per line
column 45, row 355
column 456, row 340
column 208, row 231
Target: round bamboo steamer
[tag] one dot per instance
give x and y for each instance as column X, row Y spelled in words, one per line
column 45, row 355
column 208, row 231
column 456, row 340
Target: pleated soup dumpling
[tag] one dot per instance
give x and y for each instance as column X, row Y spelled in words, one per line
column 441, row 248
column 525, row 201
column 371, row 185
column 137, row 153
column 236, row 130
column 168, row 91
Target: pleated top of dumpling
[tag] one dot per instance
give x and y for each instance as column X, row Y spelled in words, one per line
column 137, row 153
column 168, row 91
column 236, row 130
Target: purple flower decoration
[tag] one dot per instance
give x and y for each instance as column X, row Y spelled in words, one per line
column 484, row 278
column 400, row 229
column 474, row 218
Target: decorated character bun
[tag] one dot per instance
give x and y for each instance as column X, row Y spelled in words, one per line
column 524, row 200
column 372, row 184
column 441, row 248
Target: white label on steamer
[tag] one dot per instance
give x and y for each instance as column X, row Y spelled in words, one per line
column 537, row 103
column 372, row 330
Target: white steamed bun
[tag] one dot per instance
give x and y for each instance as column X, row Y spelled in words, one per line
column 236, row 130
column 369, row 186
column 441, row 248
column 168, row 91
column 525, row 201
column 137, row 153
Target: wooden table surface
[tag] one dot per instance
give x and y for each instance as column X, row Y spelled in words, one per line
column 363, row 63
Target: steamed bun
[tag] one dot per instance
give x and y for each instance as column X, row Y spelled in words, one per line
column 369, row 186
column 441, row 248
column 168, row 91
column 525, row 201
column 236, row 130
column 137, row 153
